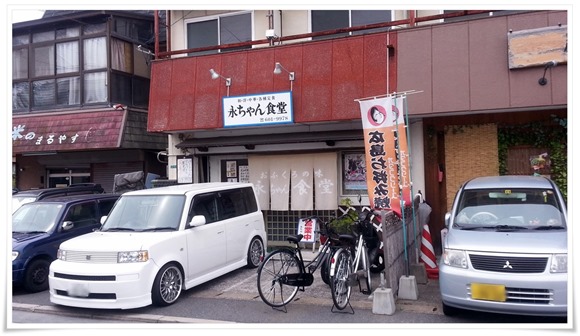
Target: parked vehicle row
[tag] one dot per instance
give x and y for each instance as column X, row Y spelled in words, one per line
column 505, row 250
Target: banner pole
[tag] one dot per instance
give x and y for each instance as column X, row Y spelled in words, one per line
column 401, row 197
column 409, row 146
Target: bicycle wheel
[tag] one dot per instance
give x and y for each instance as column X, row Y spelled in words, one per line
column 271, row 273
column 339, row 284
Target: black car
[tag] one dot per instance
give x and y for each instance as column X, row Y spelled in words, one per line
column 32, row 195
column 38, row 228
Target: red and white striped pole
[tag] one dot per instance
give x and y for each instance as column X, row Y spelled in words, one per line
column 428, row 254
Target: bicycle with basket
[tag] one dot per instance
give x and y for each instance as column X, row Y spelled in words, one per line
column 351, row 263
column 284, row 272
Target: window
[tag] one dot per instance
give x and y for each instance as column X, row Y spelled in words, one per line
column 322, row 20
column 224, row 29
column 204, row 205
column 69, row 65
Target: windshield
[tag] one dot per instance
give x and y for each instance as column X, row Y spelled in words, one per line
column 17, row 201
column 35, row 217
column 145, row 213
column 511, row 209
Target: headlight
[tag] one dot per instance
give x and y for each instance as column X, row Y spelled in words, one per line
column 61, row 255
column 559, row 263
column 14, row 255
column 455, row 258
column 132, row 256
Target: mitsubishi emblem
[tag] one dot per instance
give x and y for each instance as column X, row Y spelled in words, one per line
column 507, row 265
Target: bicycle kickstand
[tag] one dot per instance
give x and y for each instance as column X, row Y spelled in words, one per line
column 342, row 311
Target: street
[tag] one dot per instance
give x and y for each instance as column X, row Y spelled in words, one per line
column 234, row 298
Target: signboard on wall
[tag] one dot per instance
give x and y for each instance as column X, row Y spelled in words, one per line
column 185, row 170
column 259, row 109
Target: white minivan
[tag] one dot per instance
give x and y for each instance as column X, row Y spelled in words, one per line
column 156, row 243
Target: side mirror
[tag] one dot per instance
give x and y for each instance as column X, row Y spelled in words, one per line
column 103, row 219
column 197, row 221
column 67, row 225
column 447, row 219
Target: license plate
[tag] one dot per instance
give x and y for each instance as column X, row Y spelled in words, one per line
column 488, row 292
column 79, row 290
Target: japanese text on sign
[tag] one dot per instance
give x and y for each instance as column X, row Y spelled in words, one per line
column 307, row 228
column 254, row 110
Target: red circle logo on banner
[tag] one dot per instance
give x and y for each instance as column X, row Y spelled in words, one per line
column 377, row 115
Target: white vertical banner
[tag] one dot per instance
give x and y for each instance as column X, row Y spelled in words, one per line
column 325, row 180
column 280, row 182
column 260, row 176
column 301, row 182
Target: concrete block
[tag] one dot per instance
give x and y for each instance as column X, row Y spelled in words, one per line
column 384, row 301
column 408, row 288
column 420, row 273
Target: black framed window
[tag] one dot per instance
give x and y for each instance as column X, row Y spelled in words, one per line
column 224, row 29
column 322, row 20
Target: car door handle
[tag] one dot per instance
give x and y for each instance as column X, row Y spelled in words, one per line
column 220, row 232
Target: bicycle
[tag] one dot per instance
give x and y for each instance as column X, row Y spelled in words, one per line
column 283, row 271
column 351, row 263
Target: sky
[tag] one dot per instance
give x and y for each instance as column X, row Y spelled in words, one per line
column 26, row 15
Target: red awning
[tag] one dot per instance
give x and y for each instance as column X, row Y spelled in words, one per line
column 66, row 132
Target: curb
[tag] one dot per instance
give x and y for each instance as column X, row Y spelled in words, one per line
column 136, row 318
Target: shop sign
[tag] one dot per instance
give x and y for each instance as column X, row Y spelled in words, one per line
column 258, row 110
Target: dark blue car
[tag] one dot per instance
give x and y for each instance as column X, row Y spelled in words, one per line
column 38, row 229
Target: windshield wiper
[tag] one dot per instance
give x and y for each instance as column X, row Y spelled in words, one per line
column 509, row 227
column 32, row 232
column 549, row 227
column 159, row 229
column 476, row 227
column 118, row 229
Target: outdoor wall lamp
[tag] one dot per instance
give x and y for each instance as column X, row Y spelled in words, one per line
column 215, row 75
column 543, row 80
column 278, row 70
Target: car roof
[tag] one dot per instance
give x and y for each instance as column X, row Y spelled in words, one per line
column 88, row 187
column 182, row 189
column 75, row 198
column 509, row 181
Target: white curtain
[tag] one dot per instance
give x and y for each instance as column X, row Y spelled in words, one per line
column 280, row 182
column 67, row 57
column 312, row 178
column 74, row 91
column 326, row 181
column 301, row 181
column 95, row 53
column 95, row 87
column 259, row 167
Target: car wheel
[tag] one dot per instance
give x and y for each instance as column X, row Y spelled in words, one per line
column 378, row 265
column 36, row 276
column 448, row 310
column 167, row 286
column 255, row 252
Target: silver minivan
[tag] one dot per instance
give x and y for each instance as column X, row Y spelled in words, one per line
column 506, row 248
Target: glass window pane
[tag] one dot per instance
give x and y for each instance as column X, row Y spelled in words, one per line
column 121, row 55
column 95, row 87
column 43, row 36
column 19, row 63
column 121, row 89
column 95, row 53
column 202, row 34
column 94, row 28
column 44, row 61
column 327, row 20
column 365, row 17
column 20, row 96
column 236, row 28
column 20, row 40
column 140, row 92
column 68, row 91
column 67, row 57
column 68, row 32
column 43, row 93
